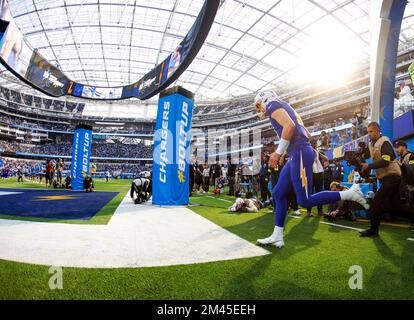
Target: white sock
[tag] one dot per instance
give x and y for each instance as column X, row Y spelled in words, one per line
column 278, row 232
column 345, row 195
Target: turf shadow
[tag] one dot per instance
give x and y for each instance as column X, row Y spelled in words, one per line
column 306, row 228
column 404, row 261
column 248, row 285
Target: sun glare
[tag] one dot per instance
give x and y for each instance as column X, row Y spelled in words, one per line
column 330, row 58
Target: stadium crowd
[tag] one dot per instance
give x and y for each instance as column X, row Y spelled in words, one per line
column 99, row 149
column 403, row 99
column 4, row 119
column 19, row 100
column 35, row 169
column 246, row 179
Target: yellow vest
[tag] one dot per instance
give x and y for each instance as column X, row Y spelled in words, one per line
column 375, row 151
column 404, row 159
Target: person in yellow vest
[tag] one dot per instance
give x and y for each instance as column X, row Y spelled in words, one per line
column 387, row 171
column 406, row 158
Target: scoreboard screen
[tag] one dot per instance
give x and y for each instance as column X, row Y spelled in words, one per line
column 31, row 67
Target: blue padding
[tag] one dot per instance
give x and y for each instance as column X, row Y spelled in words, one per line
column 44, row 203
column 404, row 125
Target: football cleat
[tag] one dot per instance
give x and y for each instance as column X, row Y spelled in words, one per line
column 354, row 194
column 272, row 241
column 358, row 196
column 276, row 239
column 268, row 240
column 278, row 244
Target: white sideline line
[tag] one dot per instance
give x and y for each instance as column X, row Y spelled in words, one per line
column 220, row 199
column 341, row 226
column 410, row 239
column 226, row 200
column 292, row 216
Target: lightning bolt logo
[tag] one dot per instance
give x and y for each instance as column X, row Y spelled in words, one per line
column 52, row 198
column 181, row 176
column 303, row 176
column 382, row 108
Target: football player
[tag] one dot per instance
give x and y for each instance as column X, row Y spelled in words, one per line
column 141, row 188
column 297, row 172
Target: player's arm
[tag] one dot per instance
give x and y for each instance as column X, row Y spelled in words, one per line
column 324, row 159
column 387, row 155
column 283, row 118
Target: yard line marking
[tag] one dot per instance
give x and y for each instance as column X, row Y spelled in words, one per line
column 341, row 226
column 296, row 217
column 220, row 199
column 410, row 239
column 225, row 200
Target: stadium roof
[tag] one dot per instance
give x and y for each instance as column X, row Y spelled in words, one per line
column 252, row 44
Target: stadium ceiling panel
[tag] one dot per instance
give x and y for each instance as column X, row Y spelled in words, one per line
column 252, row 44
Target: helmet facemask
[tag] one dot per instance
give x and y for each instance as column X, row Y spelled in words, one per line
column 260, row 102
column 259, row 109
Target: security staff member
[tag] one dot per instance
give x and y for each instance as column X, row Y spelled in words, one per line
column 264, row 174
column 406, row 157
column 387, row 171
column 88, row 184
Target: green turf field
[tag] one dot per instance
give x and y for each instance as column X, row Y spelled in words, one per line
column 102, row 217
column 313, row 264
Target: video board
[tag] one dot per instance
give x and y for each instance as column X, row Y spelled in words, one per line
column 30, row 66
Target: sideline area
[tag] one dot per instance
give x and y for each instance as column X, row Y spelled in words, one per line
column 136, row 236
column 313, row 264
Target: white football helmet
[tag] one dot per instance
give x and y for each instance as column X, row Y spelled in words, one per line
column 138, row 182
column 261, row 100
column 145, row 174
column 239, row 201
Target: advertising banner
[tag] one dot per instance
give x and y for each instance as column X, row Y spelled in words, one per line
column 18, row 57
column 172, row 150
column 81, row 155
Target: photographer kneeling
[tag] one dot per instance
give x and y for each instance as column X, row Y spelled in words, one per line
column 141, row 188
column 340, row 208
column 88, row 184
column 387, row 171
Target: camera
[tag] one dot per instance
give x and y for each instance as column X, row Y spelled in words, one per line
column 356, row 158
column 407, row 171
